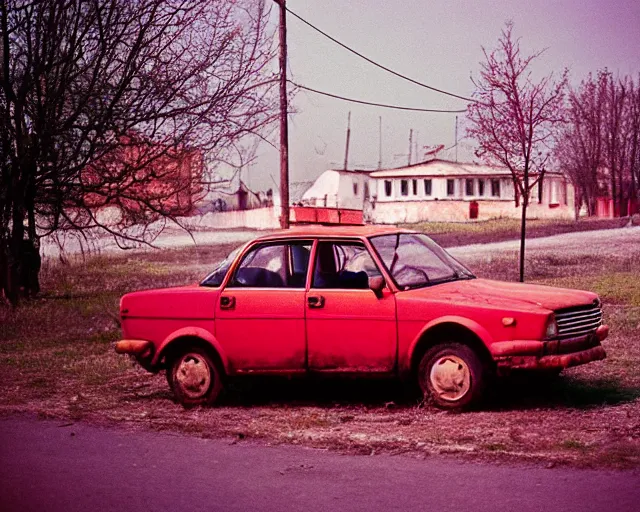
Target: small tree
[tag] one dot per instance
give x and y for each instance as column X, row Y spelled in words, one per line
column 514, row 118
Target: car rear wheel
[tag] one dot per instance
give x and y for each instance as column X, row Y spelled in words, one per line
column 195, row 377
column 451, row 375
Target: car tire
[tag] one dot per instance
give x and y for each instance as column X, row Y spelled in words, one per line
column 452, row 376
column 195, row 377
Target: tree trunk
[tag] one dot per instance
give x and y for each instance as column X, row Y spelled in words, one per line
column 523, row 229
column 540, row 191
column 14, row 256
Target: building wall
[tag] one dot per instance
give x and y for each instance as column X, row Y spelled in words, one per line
column 439, row 189
column 457, row 210
column 257, row 218
column 337, row 189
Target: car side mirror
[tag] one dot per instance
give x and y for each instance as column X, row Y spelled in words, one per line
column 376, row 284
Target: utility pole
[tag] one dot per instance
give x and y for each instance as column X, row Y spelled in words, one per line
column 346, row 149
column 456, row 144
column 284, row 127
column 380, row 143
column 410, row 144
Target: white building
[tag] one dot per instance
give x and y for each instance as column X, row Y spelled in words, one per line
column 438, row 190
column 339, row 189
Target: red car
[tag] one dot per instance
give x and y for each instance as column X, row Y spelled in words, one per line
column 359, row 300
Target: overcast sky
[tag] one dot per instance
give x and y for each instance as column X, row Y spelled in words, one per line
column 435, row 42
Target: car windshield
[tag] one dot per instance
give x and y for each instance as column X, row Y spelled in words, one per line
column 414, row 260
column 217, row 276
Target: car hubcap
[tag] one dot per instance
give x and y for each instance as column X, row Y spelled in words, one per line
column 450, row 378
column 193, row 375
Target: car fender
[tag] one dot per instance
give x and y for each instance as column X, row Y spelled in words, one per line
column 192, row 332
column 472, row 325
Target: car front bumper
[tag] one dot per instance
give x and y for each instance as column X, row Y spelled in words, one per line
column 548, row 355
column 141, row 350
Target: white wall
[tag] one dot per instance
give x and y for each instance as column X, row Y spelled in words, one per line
column 258, row 218
column 335, row 189
column 439, row 189
column 456, row 210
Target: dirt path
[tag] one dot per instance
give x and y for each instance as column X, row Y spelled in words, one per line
column 48, row 465
column 577, row 242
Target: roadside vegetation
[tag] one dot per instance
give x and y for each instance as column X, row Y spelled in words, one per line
column 451, row 234
column 57, row 361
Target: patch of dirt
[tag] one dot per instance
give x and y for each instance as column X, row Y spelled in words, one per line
column 57, row 360
column 540, row 230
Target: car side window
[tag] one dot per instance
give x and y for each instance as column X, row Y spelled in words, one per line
column 282, row 265
column 343, row 266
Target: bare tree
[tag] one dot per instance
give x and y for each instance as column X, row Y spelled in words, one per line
column 514, row 118
column 599, row 144
column 621, row 140
column 634, row 128
column 580, row 148
column 100, row 98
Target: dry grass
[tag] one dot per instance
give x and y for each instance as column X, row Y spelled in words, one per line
column 57, row 360
column 451, row 234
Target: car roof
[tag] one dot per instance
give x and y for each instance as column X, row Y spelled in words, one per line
column 333, row 231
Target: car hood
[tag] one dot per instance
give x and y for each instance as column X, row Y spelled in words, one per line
column 501, row 294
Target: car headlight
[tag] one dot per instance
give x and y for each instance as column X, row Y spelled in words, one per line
column 552, row 328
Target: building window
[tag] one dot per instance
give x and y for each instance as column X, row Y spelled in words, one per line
column 414, row 184
column 387, row 188
column 451, row 187
column 495, row 188
column 468, row 187
column 427, row 187
column 404, row 187
column 355, row 188
column 481, row 188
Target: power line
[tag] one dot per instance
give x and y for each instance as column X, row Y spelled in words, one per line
column 371, row 103
column 379, row 65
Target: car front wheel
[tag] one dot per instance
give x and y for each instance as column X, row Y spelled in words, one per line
column 195, row 377
column 451, row 375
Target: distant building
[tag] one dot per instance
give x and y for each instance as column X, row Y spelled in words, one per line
column 438, row 190
column 232, row 195
column 139, row 175
column 626, row 202
column 339, row 189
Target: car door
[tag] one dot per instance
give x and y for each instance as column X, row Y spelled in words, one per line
column 260, row 313
column 349, row 328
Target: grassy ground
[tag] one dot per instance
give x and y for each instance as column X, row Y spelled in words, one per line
column 450, row 234
column 57, row 360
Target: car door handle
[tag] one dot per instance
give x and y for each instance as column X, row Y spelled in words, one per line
column 316, row 302
column 227, row 302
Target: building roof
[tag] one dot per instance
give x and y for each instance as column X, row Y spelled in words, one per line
column 445, row 168
column 331, row 231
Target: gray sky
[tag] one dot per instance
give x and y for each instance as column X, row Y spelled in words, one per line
column 435, row 42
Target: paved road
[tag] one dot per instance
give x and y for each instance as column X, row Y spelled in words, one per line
column 53, row 466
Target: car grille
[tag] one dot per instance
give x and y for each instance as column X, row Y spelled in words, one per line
column 579, row 320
